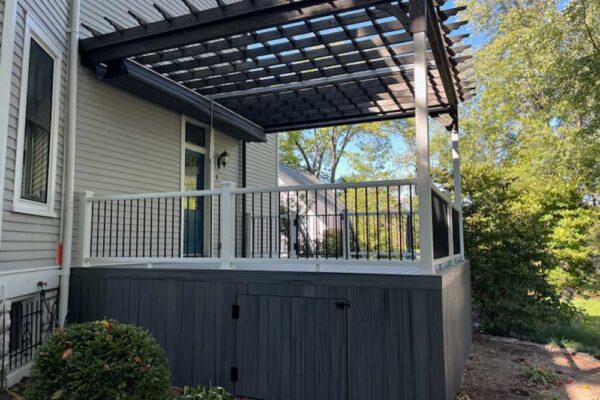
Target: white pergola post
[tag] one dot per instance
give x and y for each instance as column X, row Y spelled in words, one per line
column 457, row 181
column 423, row 167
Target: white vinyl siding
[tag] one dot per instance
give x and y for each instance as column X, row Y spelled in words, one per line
column 30, row 241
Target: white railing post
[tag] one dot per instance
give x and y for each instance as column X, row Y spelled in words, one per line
column 293, row 234
column 227, row 225
column 457, row 183
column 422, row 139
column 84, row 234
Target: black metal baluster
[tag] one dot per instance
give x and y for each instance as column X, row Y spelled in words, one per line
column 297, row 225
column 367, row 219
column 124, row 225
column 278, row 225
column 117, row 231
column 151, row 224
column 165, row 228
column 219, row 224
column 195, row 226
column 253, row 226
column 270, row 225
column 110, row 229
column 344, row 224
column 144, row 239
column 262, row 228
column 130, row 225
column 400, row 219
column 137, row 227
column 158, row 230
column 326, row 246
column 91, row 231
column 356, row 219
column 289, row 244
column 316, row 225
column 306, row 237
column 412, row 224
column 378, row 227
column 172, row 226
column 336, row 222
column 98, row 229
column 389, row 224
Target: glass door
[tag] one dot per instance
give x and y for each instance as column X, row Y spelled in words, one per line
column 193, row 230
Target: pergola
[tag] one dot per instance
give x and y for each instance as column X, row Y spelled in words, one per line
column 263, row 66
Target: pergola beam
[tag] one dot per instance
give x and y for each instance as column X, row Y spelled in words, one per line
column 436, row 42
column 347, row 120
column 241, row 17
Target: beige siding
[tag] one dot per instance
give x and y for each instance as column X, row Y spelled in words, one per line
column 30, row 241
column 124, row 143
column 262, row 162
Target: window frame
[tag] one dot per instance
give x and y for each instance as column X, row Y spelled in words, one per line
column 33, row 31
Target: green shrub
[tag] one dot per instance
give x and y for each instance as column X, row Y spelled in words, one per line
column 540, row 375
column 100, row 360
column 204, row 393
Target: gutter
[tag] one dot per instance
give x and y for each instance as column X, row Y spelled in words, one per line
column 6, row 65
column 69, row 167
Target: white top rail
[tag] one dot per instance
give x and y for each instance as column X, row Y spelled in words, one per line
column 326, row 186
column 215, row 192
column 156, row 195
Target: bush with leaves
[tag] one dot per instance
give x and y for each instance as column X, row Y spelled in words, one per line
column 204, row 393
column 100, row 360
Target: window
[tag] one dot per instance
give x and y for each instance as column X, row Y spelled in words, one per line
column 195, row 134
column 38, row 117
column 34, row 183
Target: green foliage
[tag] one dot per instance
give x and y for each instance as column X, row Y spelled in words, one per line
column 204, row 393
column 541, row 375
column 507, row 249
column 531, row 171
column 100, row 360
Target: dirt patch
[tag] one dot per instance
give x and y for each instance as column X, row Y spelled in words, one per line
column 497, row 370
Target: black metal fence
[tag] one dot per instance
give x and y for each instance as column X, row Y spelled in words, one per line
column 32, row 320
column 341, row 221
column 155, row 226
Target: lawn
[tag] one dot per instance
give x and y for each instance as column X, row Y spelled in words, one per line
column 590, row 305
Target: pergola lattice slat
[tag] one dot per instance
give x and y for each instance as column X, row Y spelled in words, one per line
column 302, row 62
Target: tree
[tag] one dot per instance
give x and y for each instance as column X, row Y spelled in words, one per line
column 320, row 151
column 531, row 171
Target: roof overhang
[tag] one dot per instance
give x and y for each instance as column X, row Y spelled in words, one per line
column 141, row 81
column 287, row 64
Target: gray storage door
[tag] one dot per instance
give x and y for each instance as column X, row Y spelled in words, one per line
column 291, row 348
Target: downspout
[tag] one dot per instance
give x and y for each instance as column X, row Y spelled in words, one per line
column 69, row 167
column 6, row 65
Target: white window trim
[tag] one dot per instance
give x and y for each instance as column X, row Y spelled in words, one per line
column 34, row 31
column 209, row 174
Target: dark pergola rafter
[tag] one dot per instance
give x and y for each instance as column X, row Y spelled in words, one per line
column 299, row 62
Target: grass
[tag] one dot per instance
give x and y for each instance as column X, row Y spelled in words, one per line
column 590, row 305
column 582, row 333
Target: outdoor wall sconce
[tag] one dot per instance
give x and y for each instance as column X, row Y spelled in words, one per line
column 223, row 160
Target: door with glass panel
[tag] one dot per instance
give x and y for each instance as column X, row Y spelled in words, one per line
column 195, row 213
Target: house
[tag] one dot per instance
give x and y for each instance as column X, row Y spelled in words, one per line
column 138, row 150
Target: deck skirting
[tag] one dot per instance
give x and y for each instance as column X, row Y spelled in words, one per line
column 294, row 335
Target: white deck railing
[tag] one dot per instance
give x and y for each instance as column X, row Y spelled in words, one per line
column 355, row 224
